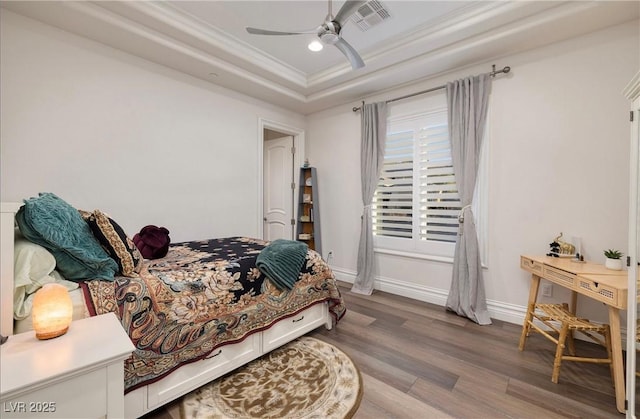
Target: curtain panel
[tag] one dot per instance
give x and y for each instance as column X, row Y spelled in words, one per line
column 467, row 101
column 374, row 131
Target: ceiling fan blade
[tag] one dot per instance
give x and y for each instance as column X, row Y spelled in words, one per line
column 350, row 53
column 348, row 8
column 256, row 31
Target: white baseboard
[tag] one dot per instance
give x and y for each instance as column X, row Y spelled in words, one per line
column 509, row 313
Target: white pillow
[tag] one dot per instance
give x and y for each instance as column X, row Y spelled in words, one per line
column 34, row 266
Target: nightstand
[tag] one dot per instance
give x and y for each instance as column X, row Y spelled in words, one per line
column 77, row 375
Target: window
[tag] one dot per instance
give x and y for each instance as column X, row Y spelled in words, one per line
column 416, row 204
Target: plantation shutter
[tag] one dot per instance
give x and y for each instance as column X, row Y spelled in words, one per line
column 439, row 200
column 392, row 207
column 417, row 197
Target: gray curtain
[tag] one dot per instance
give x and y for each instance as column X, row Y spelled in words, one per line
column 467, row 101
column 374, row 132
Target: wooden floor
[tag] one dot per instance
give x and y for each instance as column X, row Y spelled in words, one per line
column 419, row 361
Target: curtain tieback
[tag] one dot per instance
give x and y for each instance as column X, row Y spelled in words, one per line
column 365, row 210
column 461, row 213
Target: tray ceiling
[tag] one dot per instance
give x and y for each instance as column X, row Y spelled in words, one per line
column 207, row 39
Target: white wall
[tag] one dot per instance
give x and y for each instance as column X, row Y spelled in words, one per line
column 559, row 161
column 103, row 129
column 149, row 145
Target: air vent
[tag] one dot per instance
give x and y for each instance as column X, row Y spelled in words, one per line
column 369, row 15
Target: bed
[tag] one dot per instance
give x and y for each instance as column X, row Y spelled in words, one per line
column 199, row 312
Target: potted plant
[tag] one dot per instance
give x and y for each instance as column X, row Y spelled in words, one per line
column 613, row 259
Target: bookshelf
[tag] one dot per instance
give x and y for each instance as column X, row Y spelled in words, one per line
column 308, row 223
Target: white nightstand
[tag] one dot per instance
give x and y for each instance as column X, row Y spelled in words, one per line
column 77, row 375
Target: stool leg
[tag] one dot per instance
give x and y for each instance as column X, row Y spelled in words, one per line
column 559, row 351
column 571, row 345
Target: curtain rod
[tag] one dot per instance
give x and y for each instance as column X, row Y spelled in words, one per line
column 493, row 73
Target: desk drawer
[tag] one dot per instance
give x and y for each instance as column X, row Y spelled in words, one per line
column 559, row 276
column 531, row 265
column 598, row 291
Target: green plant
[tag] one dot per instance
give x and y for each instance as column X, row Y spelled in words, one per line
column 612, row 254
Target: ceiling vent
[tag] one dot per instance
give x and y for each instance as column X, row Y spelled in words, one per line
column 369, row 15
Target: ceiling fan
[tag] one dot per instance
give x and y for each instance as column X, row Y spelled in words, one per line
column 329, row 31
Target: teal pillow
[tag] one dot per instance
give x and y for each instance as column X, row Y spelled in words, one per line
column 57, row 226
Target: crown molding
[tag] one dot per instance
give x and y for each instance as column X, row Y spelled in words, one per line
column 484, row 47
column 478, row 33
column 458, row 27
column 419, row 37
column 194, row 31
column 99, row 24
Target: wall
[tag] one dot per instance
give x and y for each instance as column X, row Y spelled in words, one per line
column 149, row 145
column 558, row 162
column 146, row 144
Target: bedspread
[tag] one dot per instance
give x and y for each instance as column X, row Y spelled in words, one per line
column 202, row 295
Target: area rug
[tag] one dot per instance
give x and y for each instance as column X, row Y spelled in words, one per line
column 306, row 378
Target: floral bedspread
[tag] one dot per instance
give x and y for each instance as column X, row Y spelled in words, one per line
column 202, row 295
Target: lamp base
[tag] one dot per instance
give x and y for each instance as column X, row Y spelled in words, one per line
column 51, row 334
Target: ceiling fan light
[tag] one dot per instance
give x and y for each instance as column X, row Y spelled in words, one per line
column 315, row 46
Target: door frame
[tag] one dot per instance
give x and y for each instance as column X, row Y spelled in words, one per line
column 298, row 160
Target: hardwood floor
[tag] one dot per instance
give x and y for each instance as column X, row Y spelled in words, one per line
column 419, row 361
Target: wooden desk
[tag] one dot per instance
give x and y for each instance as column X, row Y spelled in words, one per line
column 589, row 279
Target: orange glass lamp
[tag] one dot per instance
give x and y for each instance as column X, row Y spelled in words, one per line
column 52, row 311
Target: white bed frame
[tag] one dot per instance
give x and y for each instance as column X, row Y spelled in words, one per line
column 188, row 377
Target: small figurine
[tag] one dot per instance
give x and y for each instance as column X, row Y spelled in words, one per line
column 565, row 248
column 554, row 249
column 559, row 247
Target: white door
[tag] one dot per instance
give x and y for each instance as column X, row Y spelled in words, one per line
column 278, row 190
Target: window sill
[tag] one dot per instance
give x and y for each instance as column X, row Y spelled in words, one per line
column 411, row 255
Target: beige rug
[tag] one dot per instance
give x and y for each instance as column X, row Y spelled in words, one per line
column 306, row 378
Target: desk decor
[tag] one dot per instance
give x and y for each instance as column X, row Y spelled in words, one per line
column 52, row 311
column 560, row 248
column 613, row 259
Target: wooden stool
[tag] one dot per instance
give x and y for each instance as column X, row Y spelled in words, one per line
column 550, row 315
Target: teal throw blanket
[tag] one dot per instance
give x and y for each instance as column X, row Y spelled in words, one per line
column 281, row 261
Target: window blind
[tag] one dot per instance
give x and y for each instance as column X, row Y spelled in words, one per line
column 417, row 197
column 439, row 199
column 392, row 207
